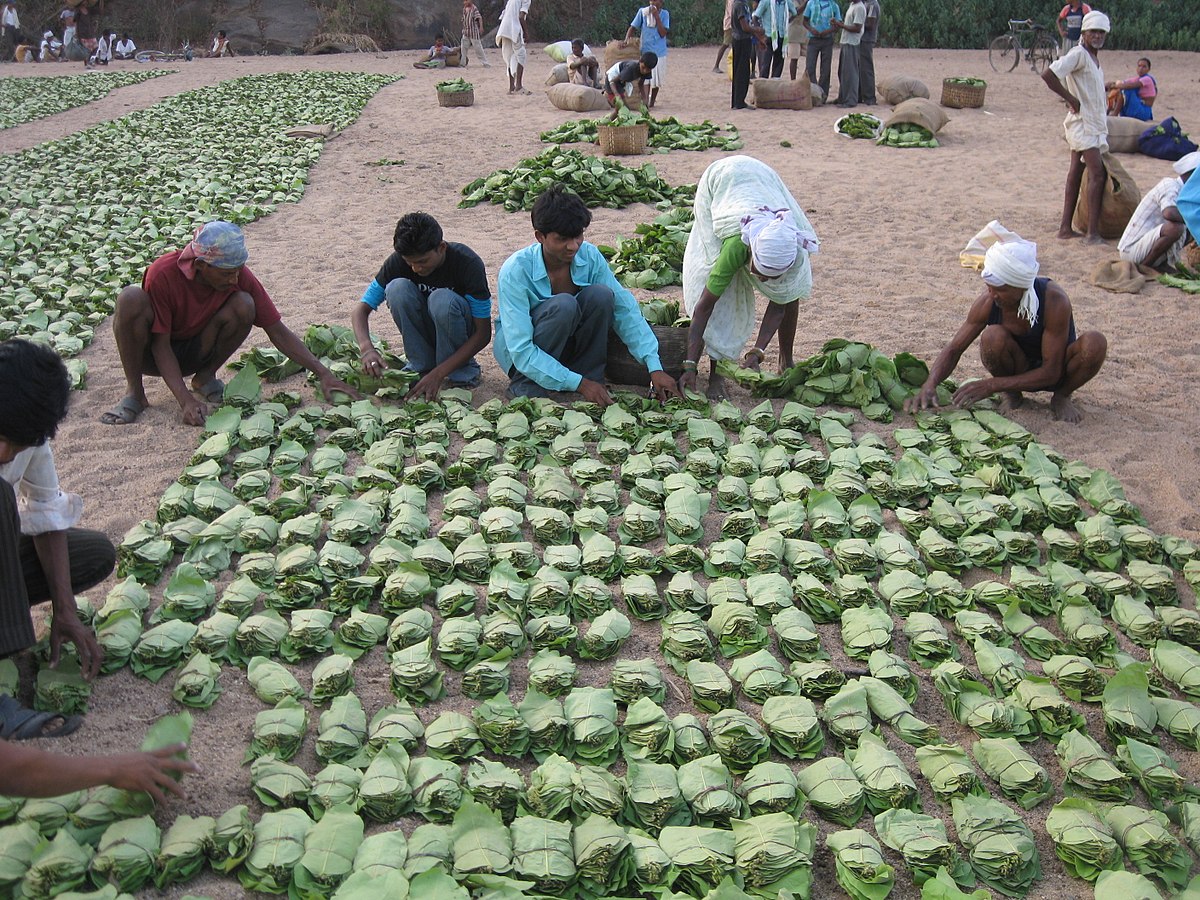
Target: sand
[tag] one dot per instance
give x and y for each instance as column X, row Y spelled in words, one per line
column 891, row 224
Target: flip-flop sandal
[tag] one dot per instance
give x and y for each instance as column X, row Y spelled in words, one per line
column 19, row 723
column 124, row 413
column 213, row 390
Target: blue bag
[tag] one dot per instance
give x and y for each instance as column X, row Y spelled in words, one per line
column 1166, row 141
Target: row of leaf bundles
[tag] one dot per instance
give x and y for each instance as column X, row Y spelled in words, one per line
column 907, row 134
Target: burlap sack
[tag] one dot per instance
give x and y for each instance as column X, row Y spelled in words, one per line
column 919, row 111
column 1123, row 133
column 1119, row 276
column 616, row 51
column 454, row 59
column 783, row 93
column 1121, row 196
column 577, row 98
column 558, row 75
column 895, row 89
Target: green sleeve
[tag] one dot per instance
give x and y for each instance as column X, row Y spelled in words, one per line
column 733, row 256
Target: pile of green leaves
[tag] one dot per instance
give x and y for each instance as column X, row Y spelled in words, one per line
column 153, row 176
column 26, row 99
column 1185, row 279
column 859, row 125
column 598, row 181
column 967, row 82
column 455, row 86
column 907, row 134
column 654, row 258
column 663, row 134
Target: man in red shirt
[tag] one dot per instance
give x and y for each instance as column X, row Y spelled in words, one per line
column 192, row 312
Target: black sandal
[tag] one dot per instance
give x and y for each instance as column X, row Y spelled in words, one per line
column 19, row 723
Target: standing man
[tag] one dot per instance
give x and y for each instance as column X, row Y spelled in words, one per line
column 558, row 300
column 866, row 55
column 510, row 37
column 1070, row 24
column 1079, row 80
column 437, row 293
column 10, row 31
column 727, row 36
column 745, row 35
column 472, row 32
column 192, row 312
column 1156, row 232
column 775, row 16
column 851, row 28
column 654, row 23
column 818, row 19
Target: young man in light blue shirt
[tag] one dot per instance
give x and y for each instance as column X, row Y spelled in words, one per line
column 654, row 23
column 558, row 299
column 818, row 19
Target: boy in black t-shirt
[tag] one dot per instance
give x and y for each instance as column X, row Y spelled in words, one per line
column 438, row 295
column 620, row 79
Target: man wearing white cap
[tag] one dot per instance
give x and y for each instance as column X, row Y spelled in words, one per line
column 1078, row 79
column 1027, row 337
column 1156, row 233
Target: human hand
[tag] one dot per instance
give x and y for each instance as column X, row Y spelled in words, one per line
column 427, row 388
column 153, row 772
column 752, row 359
column 67, row 629
column 595, row 392
column 329, row 384
column 926, row 398
column 372, row 362
column 687, row 381
column 194, row 412
column 972, row 392
column 664, row 386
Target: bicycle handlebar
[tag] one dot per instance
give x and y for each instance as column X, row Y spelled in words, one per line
column 1028, row 23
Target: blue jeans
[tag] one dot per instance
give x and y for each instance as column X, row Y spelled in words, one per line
column 573, row 328
column 434, row 327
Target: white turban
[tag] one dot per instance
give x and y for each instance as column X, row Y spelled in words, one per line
column 1096, row 21
column 1187, row 163
column 1012, row 262
column 774, row 240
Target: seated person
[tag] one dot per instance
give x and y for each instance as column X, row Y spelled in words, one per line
column 221, row 45
column 125, row 48
column 436, row 59
column 1028, row 340
column 438, row 295
column 1134, row 97
column 52, row 48
column 1156, row 234
column 104, row 53
column 621, row 79
column 558, row 299
column 192, row 312
column 582, row 67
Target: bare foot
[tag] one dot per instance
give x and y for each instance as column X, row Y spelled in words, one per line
column 1064, row 410
column 1010, row 400
column 1065, row 234
column 716, row 387
column 1093, row 239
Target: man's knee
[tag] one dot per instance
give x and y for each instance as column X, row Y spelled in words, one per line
column 1091, row 347
column 597, row 299
column 994, row 339
column 400, row 293
column 999, row 352
column 559, row 308
column 237, row 311
column 133, row 303
column 445, row 305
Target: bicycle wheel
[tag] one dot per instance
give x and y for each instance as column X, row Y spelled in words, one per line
column 143, row 56
column 1044, row 52
column 1004, row 53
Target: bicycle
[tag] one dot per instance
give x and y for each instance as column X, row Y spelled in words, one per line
column 1005, row 51
column 184, row 52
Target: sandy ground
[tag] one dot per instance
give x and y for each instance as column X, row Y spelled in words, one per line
column 891, row 224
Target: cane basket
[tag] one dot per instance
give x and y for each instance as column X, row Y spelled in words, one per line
column 623, row 140
column 456, row 98
column 621, row 368
column 962, row 96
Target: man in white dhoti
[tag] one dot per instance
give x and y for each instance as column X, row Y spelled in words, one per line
column 749, row 235
column 1078, row 79
column 510, row 38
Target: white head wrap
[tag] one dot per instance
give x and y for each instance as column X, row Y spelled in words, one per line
column 1012, row 261
column 774, row 240
column 1187, row 163
column 1096, row 21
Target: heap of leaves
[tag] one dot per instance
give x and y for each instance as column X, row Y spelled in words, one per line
column 454, row 544
column 1187, row 280
column 26, row 99
column 153, row 176
column 654, row 258
column 663, row 134
column 599, row 181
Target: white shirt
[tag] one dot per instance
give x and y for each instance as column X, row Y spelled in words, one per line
column 1083, row 77
column 856, row 14
column 103, row 51
column 125, row 47
column 1149, row 213
column 10, row 19
column 42, row 505
column 510, row 21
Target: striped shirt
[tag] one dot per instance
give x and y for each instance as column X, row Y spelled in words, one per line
column 472, row 23
column 1149, row 212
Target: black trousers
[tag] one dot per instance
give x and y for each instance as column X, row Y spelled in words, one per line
column 770, row 59
column 22, row 580
column 743, row 59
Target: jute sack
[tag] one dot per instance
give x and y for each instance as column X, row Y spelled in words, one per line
column 615, row 51
column 895, row 89
column 577, row 98
column 1123, row 133
column 919, row 111
column 779, row 93
column 1121, row 196
column 558, row 75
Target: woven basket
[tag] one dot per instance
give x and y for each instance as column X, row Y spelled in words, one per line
column 622, row 140
column 961, row 96
column 456, row 98
column 621, row 368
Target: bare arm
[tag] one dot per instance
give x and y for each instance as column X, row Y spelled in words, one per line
column 948, row 359
column 51, row 550
column 360, row 317
column 1053, row 82
column 194, row 410
column 29, row 772
column 294, row 349
column 695, row 340
column 1171, row 214
column 773, row 319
